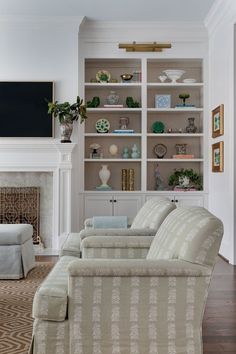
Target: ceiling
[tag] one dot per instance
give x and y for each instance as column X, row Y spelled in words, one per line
column 111, row 10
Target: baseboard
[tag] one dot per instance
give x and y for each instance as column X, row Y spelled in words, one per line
column 224, row 259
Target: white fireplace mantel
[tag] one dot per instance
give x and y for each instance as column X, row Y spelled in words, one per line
column 44, row 155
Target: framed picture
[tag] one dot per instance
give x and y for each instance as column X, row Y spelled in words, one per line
column 218, row 157
column 218, row 121
column 162, row 101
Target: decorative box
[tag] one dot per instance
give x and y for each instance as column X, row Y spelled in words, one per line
column 162, row 101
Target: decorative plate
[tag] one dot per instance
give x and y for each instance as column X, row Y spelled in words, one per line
column 102, row 125
column 103, row 76
column 160, row 150
column 162, row 101
column 158, row 127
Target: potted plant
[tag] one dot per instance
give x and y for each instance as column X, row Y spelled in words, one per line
column 185, row 179
column 67, row 113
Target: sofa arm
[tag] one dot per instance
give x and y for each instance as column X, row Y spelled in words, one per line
column 116, row 247
column 117, row 232
column 71, row 246
column 142, row 268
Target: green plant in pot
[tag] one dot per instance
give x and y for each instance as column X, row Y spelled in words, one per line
column 185, row 179
column 67, row 113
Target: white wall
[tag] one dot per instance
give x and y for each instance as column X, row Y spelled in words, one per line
column 221, row 90
column 43, row 49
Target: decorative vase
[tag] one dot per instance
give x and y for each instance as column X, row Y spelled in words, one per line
column 112, row 98
column 104, row 175
column 135, row 152
column 191, row 127
column 66, row 129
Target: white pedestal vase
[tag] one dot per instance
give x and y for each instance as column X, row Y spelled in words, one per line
column 104, row 175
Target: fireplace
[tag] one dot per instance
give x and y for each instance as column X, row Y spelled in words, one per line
column 45, row 164
column 21, row 205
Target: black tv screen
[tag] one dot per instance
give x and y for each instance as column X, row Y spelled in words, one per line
column 23, row 109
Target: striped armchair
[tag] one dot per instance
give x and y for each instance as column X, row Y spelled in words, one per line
column 147, row 306
column 120, row 243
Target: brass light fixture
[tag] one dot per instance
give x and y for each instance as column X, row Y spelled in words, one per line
column 144, row 47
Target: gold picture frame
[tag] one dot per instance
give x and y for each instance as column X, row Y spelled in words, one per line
column 218, row 121
column 218, row 157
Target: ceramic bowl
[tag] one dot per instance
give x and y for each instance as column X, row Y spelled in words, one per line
column 126, row 77
column 174, row 74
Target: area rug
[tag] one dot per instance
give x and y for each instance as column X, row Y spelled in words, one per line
column 16, row 297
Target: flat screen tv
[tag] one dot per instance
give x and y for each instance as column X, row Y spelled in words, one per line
column 23, row 109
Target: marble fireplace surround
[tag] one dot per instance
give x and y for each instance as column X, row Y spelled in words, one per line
column 45, row 156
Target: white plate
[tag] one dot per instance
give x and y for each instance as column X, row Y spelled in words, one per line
column 189, row 81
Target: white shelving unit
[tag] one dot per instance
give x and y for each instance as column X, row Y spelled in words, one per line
column 141, row 120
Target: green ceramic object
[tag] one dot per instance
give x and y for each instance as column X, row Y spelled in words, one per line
column 158, row 127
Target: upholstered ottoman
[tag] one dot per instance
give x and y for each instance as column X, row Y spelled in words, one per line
column 16, row 250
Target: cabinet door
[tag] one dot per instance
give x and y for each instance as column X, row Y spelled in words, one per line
column 127, row 205
column 98, row 206
column 189, row 201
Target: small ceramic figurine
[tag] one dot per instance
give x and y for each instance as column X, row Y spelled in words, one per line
column 113, row 149
column 125, row 153
column 135, row 152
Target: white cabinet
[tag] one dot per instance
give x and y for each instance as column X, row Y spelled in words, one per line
column 181, row 200
column 111, row 204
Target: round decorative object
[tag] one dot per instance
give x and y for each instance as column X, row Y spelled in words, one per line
column 113, row 149
column 102, row 125
column 158, row 127
column 103, row 76
column 160, row 150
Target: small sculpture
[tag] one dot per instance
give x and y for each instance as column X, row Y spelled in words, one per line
column 159, row 183
column 131, row 103
column 94, row 103
column 191, row 127
column 181, row 149
column 95, row 154
column 135, row 154
column 125, row 153
column 124, row 122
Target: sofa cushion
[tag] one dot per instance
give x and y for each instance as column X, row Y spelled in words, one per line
column 192, row 234
column 50, row 300
column 152, row 214
column 15, row 234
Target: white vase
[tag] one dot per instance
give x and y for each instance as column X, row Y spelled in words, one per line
column 104, row 175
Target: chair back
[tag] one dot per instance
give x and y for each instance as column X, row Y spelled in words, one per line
column 192, row 234
column 153, row 213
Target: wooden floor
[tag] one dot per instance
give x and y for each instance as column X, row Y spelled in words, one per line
column 219, row 323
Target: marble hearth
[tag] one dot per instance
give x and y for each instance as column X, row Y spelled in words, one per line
column 46, row 164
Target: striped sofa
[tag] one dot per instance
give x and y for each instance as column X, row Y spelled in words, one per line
column 137, row 306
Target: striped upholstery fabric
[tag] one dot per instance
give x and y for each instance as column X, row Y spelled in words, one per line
column 192, row 234
column 50, row 301
column 152, row 214
column 133, row 306
column 112, row 312
column 116, row 247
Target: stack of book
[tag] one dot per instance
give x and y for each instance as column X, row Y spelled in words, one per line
column 113, row 105
column 127, row 179
column 123, row 131
column 183, row 156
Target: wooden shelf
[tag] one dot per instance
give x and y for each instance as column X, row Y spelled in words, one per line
column 112, row 84
column 124, row 109
column 169, row 84
column 175, row 110
column 176, row 160
column 176, row 135
column 112, row 160
column 131, row 135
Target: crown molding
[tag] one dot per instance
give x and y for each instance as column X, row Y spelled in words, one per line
column 108, row 31
column 222, row 10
